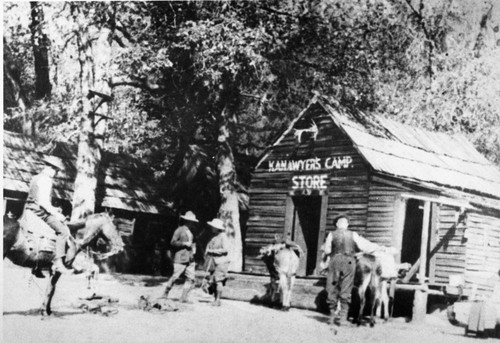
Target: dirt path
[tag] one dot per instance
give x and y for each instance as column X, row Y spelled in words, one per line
column 198, row 322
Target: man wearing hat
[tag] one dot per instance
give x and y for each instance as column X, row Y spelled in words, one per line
column 184, row 248
column 341, row 246
column 39, row 202
column 218, row 261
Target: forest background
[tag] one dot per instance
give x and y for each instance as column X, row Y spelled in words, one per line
column 200, row 89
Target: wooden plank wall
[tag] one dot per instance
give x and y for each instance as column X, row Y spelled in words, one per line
column 381, row 212
column 483, row 252
column 348, row 195
column 450, row 258
column 268, row 193
column 348, row 189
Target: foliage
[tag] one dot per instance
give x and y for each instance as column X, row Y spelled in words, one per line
column 174, row 67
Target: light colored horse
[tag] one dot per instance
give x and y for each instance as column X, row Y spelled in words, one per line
column 31, row 243
column 282, row 261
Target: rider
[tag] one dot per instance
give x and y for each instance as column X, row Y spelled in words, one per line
column 39, row 203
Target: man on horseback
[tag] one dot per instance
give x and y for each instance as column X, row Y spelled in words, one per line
column 39, row 203
column 341, row 246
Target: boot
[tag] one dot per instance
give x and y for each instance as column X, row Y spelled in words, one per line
column 59, row 266
column 38, row 273
column 218, row 294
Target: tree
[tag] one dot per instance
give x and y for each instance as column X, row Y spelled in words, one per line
column 201, row 88
column 40, row 43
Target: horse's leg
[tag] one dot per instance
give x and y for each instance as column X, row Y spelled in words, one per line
column 384, row 299
column 287, row 293
column 362, row 297
column 274, row 290
column 290, row 288
column 51, row 287
column 283, row 290
column 375, row 303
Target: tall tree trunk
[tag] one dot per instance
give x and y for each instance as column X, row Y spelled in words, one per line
column 229, row 208
column 40, row 43
column 91, row 137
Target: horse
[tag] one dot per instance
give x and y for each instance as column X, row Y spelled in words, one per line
column 377, row 273
column 367, row 278
column 282, row 261
column 30, row 243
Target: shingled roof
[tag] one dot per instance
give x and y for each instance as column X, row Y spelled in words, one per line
column 412, row 153
column 123, row 182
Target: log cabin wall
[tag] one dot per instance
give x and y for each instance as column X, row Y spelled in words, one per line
column 450, row 247
column 483, row 253
column 382, row 209
column 271, row 186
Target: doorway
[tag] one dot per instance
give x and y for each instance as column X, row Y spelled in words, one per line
column 412, row 234
column 304, row 229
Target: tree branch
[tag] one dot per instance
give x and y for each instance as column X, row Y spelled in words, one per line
column 139, row 83
column 427, row 35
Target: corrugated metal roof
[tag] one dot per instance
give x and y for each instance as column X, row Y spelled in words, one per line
column 126, row 184
column 416, row 154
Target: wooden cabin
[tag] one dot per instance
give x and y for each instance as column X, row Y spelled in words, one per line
column 125, row 187
column 432, row 196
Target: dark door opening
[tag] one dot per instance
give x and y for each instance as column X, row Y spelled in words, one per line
column 305, row 230
column 412, row 234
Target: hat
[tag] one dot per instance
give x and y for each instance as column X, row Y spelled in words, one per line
column 189, row 216
column 217, row 223
column 54, row 162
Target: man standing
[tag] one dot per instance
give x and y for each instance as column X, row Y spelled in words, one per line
column 218, row 261
column 39, row 202
column 341, row 246
column 184, row 248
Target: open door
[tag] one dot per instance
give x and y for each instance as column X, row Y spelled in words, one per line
column 305, row 226
column 417, row 236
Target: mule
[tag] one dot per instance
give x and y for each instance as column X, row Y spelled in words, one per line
column 367, row 280
column 376, row 276
column 282, row 261
column 30, row 243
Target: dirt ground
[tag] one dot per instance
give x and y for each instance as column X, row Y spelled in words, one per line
column 198, row 322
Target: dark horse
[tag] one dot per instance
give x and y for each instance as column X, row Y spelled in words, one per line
column 367, row 280
column 33, row 247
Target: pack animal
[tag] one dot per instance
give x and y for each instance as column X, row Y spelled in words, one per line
column 282, row 261
column 31, row 243
column 377, row 274
column 367, row 281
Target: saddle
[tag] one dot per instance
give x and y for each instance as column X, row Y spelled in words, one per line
column 39, row 235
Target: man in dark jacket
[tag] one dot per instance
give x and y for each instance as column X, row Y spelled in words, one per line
column 341, row 246
column 183, row 248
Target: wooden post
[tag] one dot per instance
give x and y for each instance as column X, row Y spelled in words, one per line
column 322, row 229
column 289, row 217
column 398, row 226
column 420, row 305
column 433, row 240
column 424, row 242
column 420, row 300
